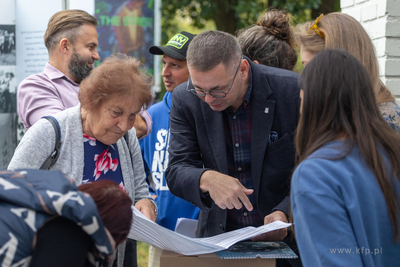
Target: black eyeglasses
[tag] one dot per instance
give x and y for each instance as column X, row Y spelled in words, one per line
column 214, row 93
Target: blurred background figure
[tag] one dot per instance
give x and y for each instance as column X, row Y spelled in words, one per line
column 46, row 221
column 345, row 189
column 341, row 31
column 2, row 41
column 11, row 42
column 271, row 41
column 5, row 93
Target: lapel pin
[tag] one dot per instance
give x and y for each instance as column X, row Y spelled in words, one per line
column 266, row 110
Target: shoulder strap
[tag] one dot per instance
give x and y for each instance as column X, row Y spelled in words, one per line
column 126, row 137
column 49, row 162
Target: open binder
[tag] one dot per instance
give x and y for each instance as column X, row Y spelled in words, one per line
column 252, row 250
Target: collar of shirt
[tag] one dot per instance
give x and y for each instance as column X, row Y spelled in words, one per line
column 248, row 93
column 53, row 73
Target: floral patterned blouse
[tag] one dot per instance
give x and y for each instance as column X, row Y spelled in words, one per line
column 101, row 162
column 391, row 113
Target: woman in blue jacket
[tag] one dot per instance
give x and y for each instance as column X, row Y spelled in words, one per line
column 345, row 188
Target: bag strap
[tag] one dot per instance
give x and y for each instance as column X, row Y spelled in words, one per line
column 126, row 137
column 49, row 162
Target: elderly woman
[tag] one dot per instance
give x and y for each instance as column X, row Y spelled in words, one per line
column 93, row 146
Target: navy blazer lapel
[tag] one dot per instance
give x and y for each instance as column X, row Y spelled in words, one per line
column 214, row 124
column 262, row 117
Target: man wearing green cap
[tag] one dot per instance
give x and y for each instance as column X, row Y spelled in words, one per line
column 154, row 147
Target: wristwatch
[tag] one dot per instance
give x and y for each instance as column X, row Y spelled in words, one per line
column 155, row 208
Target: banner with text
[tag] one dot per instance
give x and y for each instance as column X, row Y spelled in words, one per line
column 126, row 27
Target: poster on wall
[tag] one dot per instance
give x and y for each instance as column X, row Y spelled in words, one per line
column 126, row 27
column 8, row 83
column 8, row 114
column 7, row 45
column 32, row 19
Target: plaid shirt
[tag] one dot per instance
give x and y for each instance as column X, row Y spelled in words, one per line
column 237, row 127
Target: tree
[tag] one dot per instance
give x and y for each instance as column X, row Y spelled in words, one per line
column 228, row 15
column 231, row 15
column 327, row 6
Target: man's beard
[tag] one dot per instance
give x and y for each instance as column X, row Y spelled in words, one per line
column 78, row 67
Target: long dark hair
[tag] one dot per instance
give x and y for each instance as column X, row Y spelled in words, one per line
column 339, row 102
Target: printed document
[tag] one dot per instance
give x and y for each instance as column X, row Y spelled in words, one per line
column 145, row 230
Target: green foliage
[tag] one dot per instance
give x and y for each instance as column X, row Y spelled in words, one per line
column 227, row 14
column 199, row 12
column 142, row 254
column 300, row 9
column 297, row 7
column 247, row 12
column 230, row 15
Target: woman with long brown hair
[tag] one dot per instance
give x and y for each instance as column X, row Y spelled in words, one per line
column 345, row 188
column 341, row 31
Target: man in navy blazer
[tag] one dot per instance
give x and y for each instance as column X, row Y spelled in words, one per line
column 232, row 126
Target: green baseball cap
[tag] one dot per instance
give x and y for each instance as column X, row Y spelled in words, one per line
column 176, row 47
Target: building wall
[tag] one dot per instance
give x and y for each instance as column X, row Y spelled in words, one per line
column 381, row 19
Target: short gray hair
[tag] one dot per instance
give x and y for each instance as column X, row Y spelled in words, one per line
column 210, row 48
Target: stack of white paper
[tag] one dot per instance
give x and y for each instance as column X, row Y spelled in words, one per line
column 144, row 230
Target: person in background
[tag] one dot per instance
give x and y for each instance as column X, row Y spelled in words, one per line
column 71, row 40
column 5, row 94
column 97, row 138
column 231, row 151
column 271, row 41
column 345, row 189
column 46, row 221
column 155, row 146
column 341, row 31
column 2, row 41
column 11, row 43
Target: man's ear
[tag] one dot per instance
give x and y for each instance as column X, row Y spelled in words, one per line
column 65, row 46
column 244, row 68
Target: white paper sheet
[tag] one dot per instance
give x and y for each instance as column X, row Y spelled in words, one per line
column 144, row 230
column 187, row 227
